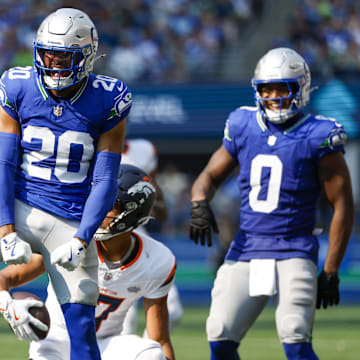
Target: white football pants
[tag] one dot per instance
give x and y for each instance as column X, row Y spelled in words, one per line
column 44, row 232
column 233, row 310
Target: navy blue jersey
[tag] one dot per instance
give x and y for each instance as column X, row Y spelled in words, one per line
column 59, row 137
column 278, row 182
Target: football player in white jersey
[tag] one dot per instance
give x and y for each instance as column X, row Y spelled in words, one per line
column 61, row 136
column 143, row 154
column 132, row 265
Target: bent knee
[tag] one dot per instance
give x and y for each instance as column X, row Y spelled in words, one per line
column 217, row 330
column 294, row 329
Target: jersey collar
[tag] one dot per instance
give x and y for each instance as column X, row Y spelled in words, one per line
column 45, row 94
column 133, row 257
column 264, row 127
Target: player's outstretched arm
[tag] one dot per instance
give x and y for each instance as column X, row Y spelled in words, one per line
column 335, row 179
column 13, row 249
column 157, row 324
column 202, row 221
column 100, row 200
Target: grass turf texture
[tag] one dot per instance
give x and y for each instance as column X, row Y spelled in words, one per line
column 336, row 336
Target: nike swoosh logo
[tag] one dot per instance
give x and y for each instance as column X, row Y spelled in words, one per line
column 13, row 250
column 16, row 318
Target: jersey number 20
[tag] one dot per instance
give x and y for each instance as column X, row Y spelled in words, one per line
column 38, row 164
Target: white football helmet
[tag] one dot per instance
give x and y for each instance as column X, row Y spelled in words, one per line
column 70, row 33
column 282, row 65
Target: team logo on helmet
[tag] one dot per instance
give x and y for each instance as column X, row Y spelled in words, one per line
column 143, row 187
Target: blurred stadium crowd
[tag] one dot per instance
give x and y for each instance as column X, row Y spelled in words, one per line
column 327, row 34
column 145, row 40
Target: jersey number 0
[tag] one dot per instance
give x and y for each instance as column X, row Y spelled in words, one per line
column 271, row 202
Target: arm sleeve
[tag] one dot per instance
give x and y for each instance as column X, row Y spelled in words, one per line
column 9, row 150
column 102, row 195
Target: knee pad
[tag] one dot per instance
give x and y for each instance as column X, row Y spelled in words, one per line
column 300, row 351
column 226, row 349
column 295, row 328
column 80, row 323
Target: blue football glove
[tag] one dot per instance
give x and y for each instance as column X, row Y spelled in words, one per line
column 14, row 250
column 69, row 255
column 16, row 313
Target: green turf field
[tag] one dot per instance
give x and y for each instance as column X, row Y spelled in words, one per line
column 336, row 337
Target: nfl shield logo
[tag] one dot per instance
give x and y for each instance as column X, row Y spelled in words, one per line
column 58, row 110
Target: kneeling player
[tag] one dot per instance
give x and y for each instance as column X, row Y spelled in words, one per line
column 131, row 266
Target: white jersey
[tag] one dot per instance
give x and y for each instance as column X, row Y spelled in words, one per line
column 140, row 153
column 150, row 274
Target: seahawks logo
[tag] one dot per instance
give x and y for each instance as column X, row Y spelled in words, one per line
column 122, row 101
column 227, row 131
column 3, row 97
column 337, row 137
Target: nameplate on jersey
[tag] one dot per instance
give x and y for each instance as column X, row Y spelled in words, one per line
column 133, row 289
column 58, row 110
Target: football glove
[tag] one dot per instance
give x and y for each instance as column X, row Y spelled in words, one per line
column 16, row 313
column 328, row 290
column 202, row 222
column 14, row 250
column 68, row 255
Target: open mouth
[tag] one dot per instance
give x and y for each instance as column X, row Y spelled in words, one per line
column 59, row 74
column 273, row 106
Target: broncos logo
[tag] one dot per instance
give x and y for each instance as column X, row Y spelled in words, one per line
column 142, row 187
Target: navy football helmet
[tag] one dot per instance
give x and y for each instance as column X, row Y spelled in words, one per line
column 134, row 201
column 282, row 65
column 71, row 35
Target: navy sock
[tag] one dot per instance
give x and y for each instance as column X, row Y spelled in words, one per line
column 300, row 351
column 80, row 322
column 221, row 350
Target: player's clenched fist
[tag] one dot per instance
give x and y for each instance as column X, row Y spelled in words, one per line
column 14, row 250
column 68, row 255
column 328, row 290
column 201, row 223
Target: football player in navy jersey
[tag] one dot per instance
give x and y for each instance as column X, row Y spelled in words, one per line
column 61, row 136
column 285, row 157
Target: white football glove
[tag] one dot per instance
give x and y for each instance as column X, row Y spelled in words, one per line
column 14, row 250
column 16, row 313
column 68, row 255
